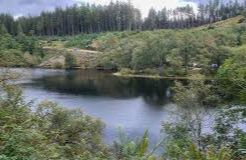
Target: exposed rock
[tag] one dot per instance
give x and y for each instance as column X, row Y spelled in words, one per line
column 84, row 58
column 54, row 62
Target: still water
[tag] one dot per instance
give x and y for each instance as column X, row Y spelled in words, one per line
column 133, row 104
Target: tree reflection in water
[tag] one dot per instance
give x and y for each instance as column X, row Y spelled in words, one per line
column 155, row 92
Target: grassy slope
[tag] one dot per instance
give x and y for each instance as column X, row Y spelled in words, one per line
column 228, row 23
column 56, row 52
column 55, row 49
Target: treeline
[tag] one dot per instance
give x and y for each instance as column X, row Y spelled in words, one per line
column 19, row 50
column 84, row 18
column 119, row 16
column 186, row 17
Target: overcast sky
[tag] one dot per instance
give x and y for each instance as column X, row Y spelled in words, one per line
column 34, row 7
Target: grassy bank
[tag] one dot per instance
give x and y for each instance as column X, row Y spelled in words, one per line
column 191, row 77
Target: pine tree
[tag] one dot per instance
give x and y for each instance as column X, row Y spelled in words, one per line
column 3, row 29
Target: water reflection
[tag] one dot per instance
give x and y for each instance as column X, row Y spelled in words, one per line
column 136, row 104
column 94, row 83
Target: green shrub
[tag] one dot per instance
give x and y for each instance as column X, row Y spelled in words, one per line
column 58, row 65
column 127, row 71
column 232, row 77
column 46, row 131
column 82, row 41
column 150, row 71
column 70, row 61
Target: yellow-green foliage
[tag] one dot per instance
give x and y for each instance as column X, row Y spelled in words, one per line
column 46, row 131
column 232, row 76
column 168, row 49
column 19, row 51
column 228, row 23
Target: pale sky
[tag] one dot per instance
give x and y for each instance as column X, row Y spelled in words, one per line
column 145, row 5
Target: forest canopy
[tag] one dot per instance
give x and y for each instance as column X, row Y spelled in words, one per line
column 119, row 16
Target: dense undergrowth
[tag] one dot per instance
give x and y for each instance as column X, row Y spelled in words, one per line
column 20, row 50
column 47, row 131
column 167, row 52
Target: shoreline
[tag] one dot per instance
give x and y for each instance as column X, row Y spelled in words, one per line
column 118, row 74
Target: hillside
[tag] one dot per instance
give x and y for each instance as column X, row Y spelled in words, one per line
column 228, row 23
column 84, row 58
column 159, row 52
column 126, row 50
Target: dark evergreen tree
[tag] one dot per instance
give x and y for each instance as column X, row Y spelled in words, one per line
column 118, row 16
